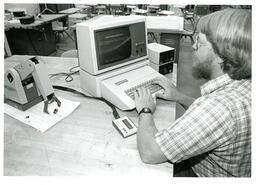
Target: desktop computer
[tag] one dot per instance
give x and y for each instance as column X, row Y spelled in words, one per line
column 113, row 58
column 161, row 57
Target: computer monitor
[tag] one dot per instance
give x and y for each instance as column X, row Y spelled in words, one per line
column 113, row 58
column 109, row 42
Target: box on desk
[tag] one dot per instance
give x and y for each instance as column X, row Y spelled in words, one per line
column 161, row 57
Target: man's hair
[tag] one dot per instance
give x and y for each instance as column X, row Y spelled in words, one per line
column 230, row 33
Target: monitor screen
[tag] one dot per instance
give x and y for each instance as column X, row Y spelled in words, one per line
column 113, row 46
column 109, row 43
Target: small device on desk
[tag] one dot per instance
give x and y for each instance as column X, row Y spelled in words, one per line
column 27, row 84
column 161, row 57
column 125, row 126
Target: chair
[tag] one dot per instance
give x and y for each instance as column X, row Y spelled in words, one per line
column 153, row 9
column 189, row 13
column 191, row 19
column 116, row 9
column 101, row 9
column 190, row 27
column 59, row 27
column 73, row 53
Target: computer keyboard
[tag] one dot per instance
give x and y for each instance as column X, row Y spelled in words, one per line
column 119, row 89
column 148, row 84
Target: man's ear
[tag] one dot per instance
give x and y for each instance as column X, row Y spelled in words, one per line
column 217, row 59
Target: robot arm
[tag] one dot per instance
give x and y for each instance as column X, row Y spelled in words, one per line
column 33, row 67
column 43, row 83
column 27, row 84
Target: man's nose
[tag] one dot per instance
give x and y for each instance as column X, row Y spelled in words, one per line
column 194, row 46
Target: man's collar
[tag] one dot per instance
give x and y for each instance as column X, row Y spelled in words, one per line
column 214, row 84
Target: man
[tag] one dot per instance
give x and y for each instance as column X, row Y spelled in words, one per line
column 214, row 133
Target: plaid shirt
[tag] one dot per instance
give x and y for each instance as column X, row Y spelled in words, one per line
column 215, row 132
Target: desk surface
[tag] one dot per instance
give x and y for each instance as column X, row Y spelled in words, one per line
column 164, row 24
column 46, row 18
column 131, row 6
column 78, row 16
column 139, row 11
column 84, row 143
column 83, row 6
column 70, row 11
column 165, row 12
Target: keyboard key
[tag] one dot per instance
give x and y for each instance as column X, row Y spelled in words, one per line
column 148, row 84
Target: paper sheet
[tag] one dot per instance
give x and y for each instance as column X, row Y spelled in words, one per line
column 38, row 119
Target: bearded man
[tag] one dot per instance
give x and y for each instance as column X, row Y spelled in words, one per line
column 214, row 134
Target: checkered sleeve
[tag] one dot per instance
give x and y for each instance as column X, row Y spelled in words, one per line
column 206, row 125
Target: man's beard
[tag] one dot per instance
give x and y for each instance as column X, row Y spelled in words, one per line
column 202, row 70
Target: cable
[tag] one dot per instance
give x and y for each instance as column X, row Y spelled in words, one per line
column 71, row 69
column 69, row 77
column 115, row 113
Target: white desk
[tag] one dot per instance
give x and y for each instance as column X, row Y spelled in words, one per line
column 170, row 29
column 140, row 11
column 84, row 143
column 179, row 6
column 153, row 6
column 82, row 7
column 78, row 16
column 70, row 11
column 165, row 24
column 165, row 12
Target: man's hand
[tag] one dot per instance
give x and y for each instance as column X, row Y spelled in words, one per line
column 170, row 91
column 143, row 98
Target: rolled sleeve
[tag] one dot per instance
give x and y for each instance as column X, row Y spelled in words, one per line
column 206, row 125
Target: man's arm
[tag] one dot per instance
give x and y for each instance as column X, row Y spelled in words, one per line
column 185, row 100
column 148, row 148
column 171, row 93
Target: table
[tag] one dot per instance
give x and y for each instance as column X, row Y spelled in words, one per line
column 33, row 39
column 44, row 20
column 140, row 11
column 153, row 8
column 78, row 16
column 165, row 24
column 165, row 12
column 70, row 11
column 170, row 29
column 84, row 143
column 83, row 7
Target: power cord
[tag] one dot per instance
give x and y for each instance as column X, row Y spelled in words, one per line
column 69, row 77
column 114, row 111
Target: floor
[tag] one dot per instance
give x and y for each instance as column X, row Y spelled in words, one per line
column 64, row 43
